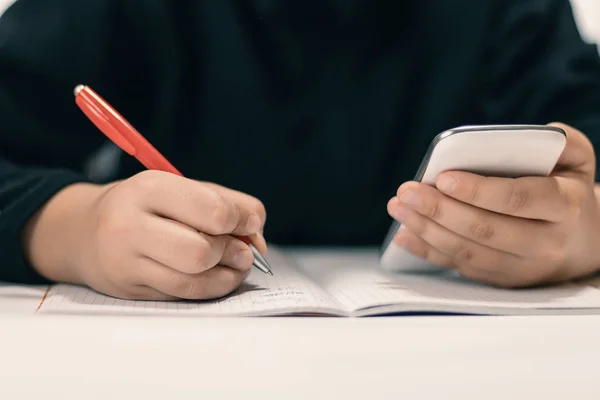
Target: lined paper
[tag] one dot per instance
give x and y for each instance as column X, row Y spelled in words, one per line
column 286, row 292
column 343, row 285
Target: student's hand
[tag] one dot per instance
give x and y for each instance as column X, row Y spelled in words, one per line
column 155, row 236
column 507, row 232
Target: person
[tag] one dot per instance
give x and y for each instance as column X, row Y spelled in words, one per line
column 317, row 112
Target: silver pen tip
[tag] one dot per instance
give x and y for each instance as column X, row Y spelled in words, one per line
column 260, row 262
column 78, row 89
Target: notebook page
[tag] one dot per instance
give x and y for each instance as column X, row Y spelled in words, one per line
column 357, row 283
column 288, row 291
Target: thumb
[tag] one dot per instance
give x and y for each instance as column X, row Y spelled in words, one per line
column 578, row 157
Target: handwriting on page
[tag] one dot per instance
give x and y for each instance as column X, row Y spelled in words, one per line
column 278, row 294
column 256, row 295
column 261, row 294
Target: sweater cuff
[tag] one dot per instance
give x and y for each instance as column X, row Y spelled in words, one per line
column 15, row 267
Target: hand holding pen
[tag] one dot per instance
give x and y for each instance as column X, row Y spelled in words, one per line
column 159, row 235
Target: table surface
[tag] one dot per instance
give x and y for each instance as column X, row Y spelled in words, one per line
column 72, row 357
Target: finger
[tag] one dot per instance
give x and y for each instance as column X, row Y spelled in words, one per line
column 420, row 248
column 539, row 198
column 213, row 283
column 146, row 293
column 530, row 273
column 194, row 204
column 237, row 255
column 491, row 277
column 578, row 157
column 410, row 242
column 124, row 289
column 184, row 249
column 461, row 250
column 258, row 240
column 497, row 231
column 249, row 202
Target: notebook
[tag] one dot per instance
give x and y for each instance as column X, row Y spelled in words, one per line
column 343, row 287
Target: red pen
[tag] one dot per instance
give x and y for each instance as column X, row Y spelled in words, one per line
column 117, row 129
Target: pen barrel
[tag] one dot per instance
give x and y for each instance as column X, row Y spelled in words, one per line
column 152, row 159
column 121, row 132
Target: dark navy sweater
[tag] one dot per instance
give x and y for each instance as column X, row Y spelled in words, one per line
column 319, row 108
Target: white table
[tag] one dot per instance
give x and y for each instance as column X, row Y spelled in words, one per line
column 293, row 358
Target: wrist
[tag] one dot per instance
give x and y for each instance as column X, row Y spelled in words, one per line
column 54, row 238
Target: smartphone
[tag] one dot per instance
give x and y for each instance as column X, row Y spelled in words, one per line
column 510, row 151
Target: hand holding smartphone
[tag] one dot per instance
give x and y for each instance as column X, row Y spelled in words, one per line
column 509, row 151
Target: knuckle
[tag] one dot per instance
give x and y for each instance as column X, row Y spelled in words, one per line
column 518, row 198
column 473, row 194
column 482, row 231
column 461, row 253
column 146, row 181
column 434, row 211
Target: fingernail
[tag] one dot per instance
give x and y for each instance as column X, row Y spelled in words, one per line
column 409, row 197
column 253, row 224
column 400, row 213
column 446, row 183
column 241, row 258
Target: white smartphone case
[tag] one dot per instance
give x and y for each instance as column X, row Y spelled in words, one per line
column 501, row 151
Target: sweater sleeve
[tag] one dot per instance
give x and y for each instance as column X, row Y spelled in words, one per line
column 538, row 69
column 46, row 49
